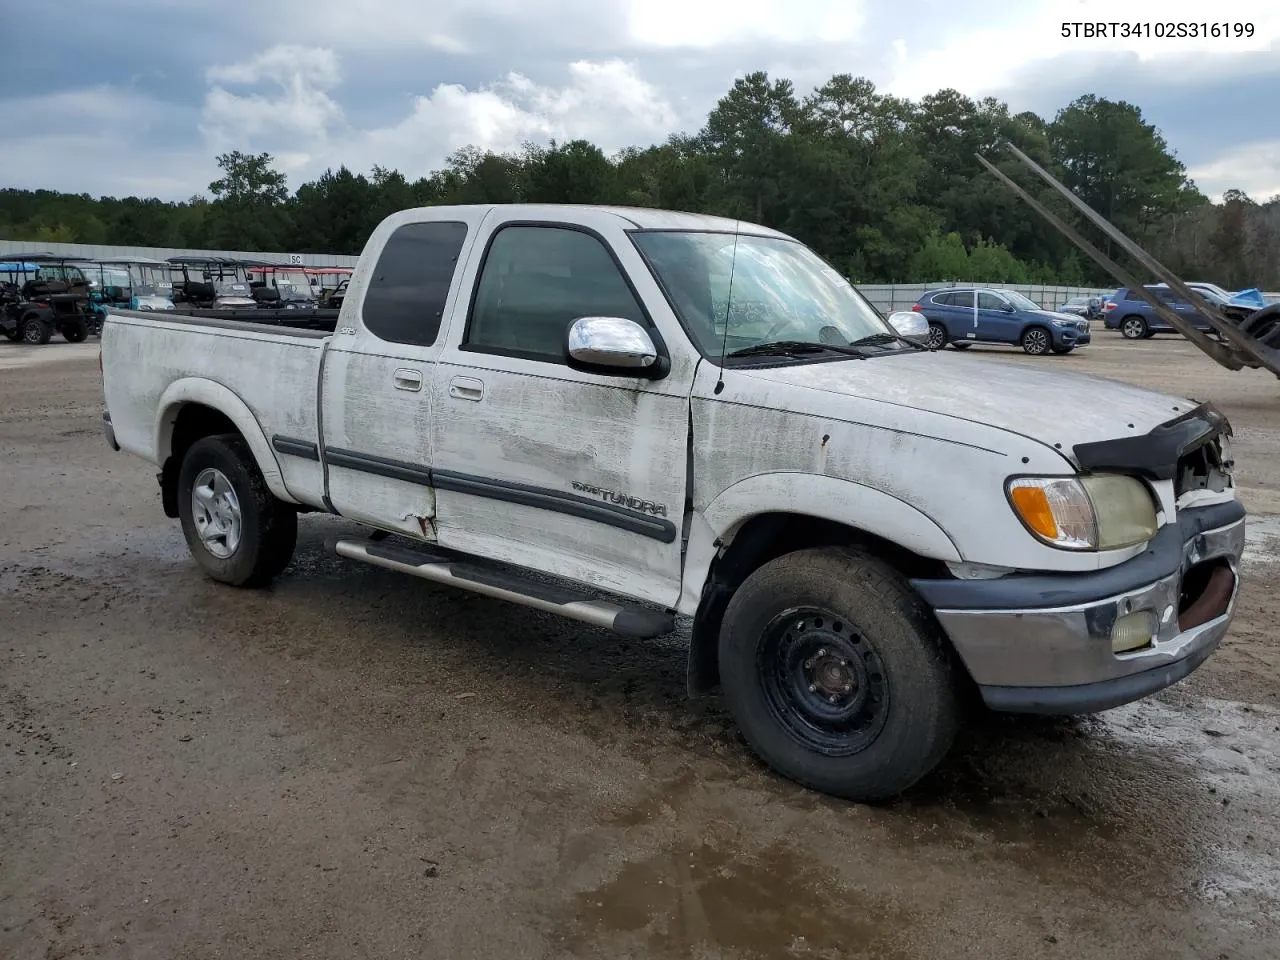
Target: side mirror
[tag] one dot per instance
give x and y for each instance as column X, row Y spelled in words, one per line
column 613, row 345
column 910, row 326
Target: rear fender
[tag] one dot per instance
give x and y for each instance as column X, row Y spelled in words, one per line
column 214, row 395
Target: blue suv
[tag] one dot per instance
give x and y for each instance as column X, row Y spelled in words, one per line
column 964, row 315
column 1135, row 318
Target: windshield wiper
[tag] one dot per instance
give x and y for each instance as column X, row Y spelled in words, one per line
column 884, row 339
column 794, row 348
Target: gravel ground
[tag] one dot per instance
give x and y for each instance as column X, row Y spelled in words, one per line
column 355, row 764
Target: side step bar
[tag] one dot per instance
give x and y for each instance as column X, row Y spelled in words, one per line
column 630, row 621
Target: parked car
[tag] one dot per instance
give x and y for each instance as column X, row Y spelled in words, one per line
column 1088, row 307
column 1000, row 316
column 556, row 406
column 1137, row 320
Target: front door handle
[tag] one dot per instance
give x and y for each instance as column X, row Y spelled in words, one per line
column 466, row 388
column 406, row 379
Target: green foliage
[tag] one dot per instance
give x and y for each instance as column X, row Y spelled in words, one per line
column 885, row 189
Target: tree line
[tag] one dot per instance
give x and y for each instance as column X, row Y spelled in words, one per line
column 887, row 189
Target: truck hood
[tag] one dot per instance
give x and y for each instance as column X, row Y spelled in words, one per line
column 1053, row 407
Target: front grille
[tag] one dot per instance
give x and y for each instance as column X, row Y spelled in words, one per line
column 1207, row 467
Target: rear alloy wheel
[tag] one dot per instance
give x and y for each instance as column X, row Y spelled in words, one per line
column 937, row 336
column 238, row 532
column 1133, row 328
column 1036, row 342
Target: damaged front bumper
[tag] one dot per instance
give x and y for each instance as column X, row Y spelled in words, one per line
column 1047, row 643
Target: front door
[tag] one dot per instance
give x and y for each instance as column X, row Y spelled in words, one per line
column 996, row 324
column 547, row 467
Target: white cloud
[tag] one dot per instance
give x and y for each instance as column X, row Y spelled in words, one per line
column 304, row 127
column 1252, row 167
column 296, row 118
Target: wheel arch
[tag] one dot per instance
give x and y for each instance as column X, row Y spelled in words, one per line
column 193, row 408
column 757, row 520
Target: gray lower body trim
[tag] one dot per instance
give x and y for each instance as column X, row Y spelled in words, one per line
column 379, row 466
column 656, row 528
column 294, row 447
column 505, row 491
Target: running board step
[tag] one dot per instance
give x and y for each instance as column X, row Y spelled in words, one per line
column 630, row 621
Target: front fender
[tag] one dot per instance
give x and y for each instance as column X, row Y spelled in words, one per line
column 217, row 397
column 807, row 494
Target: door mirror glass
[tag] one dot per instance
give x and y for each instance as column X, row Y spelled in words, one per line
column 612, row 345
column 910, row 325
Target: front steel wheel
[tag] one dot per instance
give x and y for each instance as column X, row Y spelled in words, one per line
column 837, row 674
column 823, row 682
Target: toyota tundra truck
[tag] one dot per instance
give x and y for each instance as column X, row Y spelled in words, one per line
column 634, row 418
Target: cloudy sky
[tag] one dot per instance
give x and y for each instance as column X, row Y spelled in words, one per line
column 144, row 93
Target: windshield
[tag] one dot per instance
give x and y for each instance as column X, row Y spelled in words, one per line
column 1019, row 301
column 230, row 287
column 782, row 290
column 1212, row 294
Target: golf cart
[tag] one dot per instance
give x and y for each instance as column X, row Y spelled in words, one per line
column 218, row 283
column 43, row 293
column 331, row 297
column 132, row 283
column 282, row 287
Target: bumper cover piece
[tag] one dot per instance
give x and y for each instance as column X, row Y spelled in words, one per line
column 1042, row 643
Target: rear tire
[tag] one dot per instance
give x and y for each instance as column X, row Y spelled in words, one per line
column 837, row 675
column 937, row 336
column 237, row 531
column 76, row 332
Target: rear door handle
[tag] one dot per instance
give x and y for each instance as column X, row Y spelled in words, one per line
column 406, row 379
column 466, row 388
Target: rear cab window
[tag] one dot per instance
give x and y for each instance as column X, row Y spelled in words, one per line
column 405, row 298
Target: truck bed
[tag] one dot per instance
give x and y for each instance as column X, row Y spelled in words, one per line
column 264, row 376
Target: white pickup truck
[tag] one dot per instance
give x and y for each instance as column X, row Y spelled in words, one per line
column 626, row 416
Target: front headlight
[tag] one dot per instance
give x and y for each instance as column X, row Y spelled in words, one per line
column 1101, row 512
column 1062, row 322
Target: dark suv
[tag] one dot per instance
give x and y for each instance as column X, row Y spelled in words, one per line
column 964, row 315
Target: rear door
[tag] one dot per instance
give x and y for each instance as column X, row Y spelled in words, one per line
column 376, row 399
column 961, row 320
column 541, row 465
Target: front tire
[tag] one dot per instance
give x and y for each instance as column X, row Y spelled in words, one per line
column 36, row 332
column 1134, row 328
column 1036, row 341
column 237, row 531
column 836, row 674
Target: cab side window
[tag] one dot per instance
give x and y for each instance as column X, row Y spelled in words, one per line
column 534, row 282
column 405, row 299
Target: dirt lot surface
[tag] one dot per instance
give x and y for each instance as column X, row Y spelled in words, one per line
column 355, row 764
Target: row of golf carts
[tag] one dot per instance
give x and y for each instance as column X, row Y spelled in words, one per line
column 42, row 293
